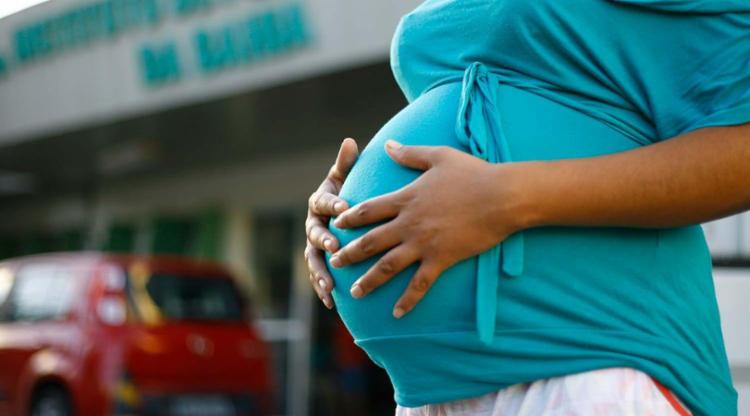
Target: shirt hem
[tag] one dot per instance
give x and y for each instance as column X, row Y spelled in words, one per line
column 421, row 377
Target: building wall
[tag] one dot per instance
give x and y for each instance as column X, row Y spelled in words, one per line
column 87, row 66
column 732, row 289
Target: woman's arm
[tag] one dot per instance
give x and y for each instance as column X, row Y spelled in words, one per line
column 693, row 178
column 461, row 205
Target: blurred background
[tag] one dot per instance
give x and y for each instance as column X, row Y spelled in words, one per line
column 200, row 128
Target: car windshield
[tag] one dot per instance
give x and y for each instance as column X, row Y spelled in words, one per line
column 169, row 297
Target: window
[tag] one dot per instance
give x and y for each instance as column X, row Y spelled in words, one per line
column 273, row 256
column 174, row 298
column 120, row 238
column 198, row 235
column 41, row 292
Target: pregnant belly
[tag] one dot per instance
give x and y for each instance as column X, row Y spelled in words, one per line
column 535, row 129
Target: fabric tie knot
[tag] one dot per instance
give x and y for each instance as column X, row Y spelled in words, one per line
column 479, row 127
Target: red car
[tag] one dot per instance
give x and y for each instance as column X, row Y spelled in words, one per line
column 98, row 334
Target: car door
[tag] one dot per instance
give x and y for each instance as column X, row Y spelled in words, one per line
column 41, row 294
column 6, row 282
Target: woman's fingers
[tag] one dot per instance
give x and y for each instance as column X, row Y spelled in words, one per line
column 320, row 279
column 373, row 242
column 379, row 208
column 392, row 263
column 423, row 279
column 325, row 200
column 318, row 234
column 416, row 157
column 324, row 203
column 348, row 153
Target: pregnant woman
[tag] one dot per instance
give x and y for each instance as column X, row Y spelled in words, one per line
column 530, row 242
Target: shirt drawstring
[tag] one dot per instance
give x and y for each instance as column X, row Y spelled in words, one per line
column 479, row 128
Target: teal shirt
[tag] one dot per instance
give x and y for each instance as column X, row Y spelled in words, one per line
column 519, row 80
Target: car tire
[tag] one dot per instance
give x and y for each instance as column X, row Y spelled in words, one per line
column 51, row 401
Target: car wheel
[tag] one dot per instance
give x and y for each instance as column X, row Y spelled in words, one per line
column 51, row 401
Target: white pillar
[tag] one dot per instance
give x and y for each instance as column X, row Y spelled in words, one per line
column 302, row 311
column 237, row 246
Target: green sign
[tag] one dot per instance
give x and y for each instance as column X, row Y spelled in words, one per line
column 263, row 34
column 160, row 64
column 257, row 37
column 83, row 25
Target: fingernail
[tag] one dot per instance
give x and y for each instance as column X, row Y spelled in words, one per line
column 322, row 283
column 337, row 222
column 393, row 144
column 398, row 312
column 338, row 206
column 335, row 261
column 328, row 244
column 328, row 303
column 356, row 291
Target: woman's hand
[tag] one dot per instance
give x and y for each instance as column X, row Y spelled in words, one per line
column 322, row 204
column 459, row 207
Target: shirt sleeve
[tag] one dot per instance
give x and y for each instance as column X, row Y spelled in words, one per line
column 718, row 89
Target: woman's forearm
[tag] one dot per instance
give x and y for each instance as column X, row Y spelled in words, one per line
column 694, row 178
